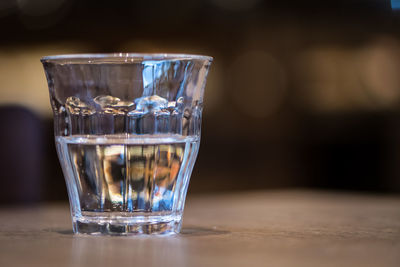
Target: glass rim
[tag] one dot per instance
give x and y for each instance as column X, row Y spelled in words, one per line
column 120, row 57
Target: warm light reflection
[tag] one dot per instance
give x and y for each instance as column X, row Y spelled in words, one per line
column 339, row 78
column 22, row 76
column 324, row 78
column 379, row 72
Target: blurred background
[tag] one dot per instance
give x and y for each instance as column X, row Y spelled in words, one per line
column 300, row 94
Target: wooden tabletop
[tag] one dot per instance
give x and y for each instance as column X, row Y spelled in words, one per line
column 269, row 228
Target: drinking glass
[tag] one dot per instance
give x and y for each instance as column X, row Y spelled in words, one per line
column 127, row 131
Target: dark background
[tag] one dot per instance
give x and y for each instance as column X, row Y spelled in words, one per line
column 300, row 94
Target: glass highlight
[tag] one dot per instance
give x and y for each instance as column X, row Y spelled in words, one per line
column 127, row 129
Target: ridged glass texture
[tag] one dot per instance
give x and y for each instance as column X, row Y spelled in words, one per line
column 127, row 129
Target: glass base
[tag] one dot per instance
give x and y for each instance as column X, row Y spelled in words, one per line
column 137, row 225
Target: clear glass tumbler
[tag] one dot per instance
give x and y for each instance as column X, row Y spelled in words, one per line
column 127, row 130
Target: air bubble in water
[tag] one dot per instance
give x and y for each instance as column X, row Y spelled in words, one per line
column 113, row 105
column 180, row 100
column 171, row 105
column 106, row 100
column 75, row 106
column 151, row 103
column 122, row 107
column 174, row 107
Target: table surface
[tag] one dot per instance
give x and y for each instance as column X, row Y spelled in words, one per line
column 268, row 228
